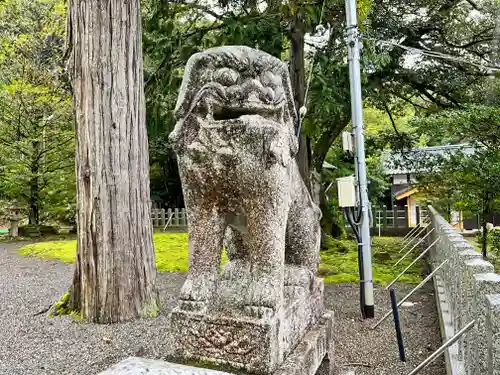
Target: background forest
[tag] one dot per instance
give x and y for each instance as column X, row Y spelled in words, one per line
column 429, row 70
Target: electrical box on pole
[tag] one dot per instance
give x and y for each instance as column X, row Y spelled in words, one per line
column 346, row 191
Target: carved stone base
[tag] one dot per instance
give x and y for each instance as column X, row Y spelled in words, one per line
column 258, row 346
column 315, row 350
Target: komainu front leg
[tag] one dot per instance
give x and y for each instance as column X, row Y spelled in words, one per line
column 206, row 232
column 303, row 237
column 266, row 244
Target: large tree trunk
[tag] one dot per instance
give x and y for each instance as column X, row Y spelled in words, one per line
column 34, row 199
column 115, row 270
column 484, row 238
column 297, row 76
column 329, row 224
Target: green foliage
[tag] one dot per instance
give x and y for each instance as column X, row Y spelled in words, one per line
column 31, row 54
column 465, row 181
column 494, row 238
column 171, row 250
column 36, row 134
column 478, row 237
column 65, row 251
column 477, row 124
column 338, row 261
column 60, row 307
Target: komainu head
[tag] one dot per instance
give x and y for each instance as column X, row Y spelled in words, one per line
column 233, row 86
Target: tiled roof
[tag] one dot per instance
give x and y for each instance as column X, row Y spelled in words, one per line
column 403, row 162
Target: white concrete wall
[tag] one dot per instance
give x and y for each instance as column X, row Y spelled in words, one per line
column 466, row 289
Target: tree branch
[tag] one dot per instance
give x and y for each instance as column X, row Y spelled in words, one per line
column 55, row 147
column 391, row 118
column 473, row 4
column 470, row 44
column 11, row 143
column 200, row 7
column 408, row 100
column 213, row 27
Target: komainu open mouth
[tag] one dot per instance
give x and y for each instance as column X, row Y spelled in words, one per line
column 216, row 103
column 228, row 113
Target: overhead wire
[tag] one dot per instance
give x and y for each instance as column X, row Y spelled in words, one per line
column 438, row 55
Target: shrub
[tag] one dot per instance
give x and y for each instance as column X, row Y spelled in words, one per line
column 494, row 239
column 340, row 246
column 479, row 237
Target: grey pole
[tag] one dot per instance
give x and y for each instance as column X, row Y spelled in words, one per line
column 357, row 122
column 413, row 237
column 415, row 229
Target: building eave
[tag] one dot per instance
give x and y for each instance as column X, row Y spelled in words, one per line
column 406, row 194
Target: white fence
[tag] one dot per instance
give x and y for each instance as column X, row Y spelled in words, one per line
column 382, row 217
column 169, row 218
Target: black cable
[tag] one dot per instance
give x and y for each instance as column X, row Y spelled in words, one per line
column 357, row 220
column 352, row 223
column 360, row 260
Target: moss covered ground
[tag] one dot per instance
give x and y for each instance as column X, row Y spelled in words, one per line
column 339, row 262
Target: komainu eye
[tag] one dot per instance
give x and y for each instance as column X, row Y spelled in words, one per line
column 269, row 79
column 226, row 77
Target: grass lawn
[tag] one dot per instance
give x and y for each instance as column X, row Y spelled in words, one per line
column 339, row 262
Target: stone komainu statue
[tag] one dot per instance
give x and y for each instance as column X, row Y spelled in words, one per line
column 235, row 141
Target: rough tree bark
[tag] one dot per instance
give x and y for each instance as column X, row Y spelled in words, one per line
column 34, row 199
column 298, row 78
column 484, row 236
column 484, row 224
column 329, row 224
column 115, row 271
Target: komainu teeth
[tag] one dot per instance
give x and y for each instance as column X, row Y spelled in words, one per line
column 210, row 111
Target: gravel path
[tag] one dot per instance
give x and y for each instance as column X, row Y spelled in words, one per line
column 375, row 352
column 35, row 345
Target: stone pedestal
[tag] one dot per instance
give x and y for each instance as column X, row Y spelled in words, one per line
column 258, row 346
column 305, row 359
column 14, row 228
column 15, row 218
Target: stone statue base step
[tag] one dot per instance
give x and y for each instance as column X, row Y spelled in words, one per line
column 258, row 346
column 315, row 350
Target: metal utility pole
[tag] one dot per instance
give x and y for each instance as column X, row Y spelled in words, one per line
column 368, row 308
